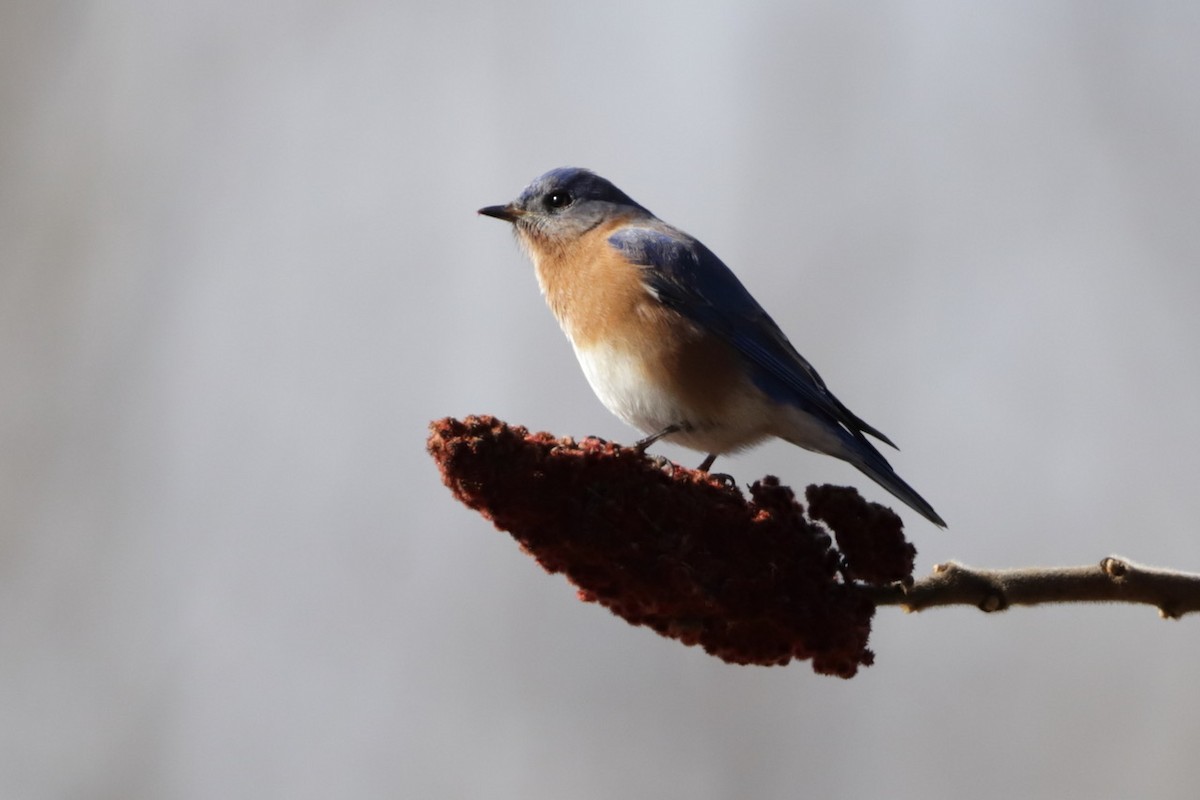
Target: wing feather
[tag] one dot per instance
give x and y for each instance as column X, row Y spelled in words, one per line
column 689, row 278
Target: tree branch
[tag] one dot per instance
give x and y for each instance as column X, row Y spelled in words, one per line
column 758, row 579
column 1113, row 580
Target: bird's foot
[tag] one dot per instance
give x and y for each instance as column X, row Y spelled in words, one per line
column 724, row 479
column 663, row 463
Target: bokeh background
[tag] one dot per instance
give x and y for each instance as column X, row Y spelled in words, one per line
column 240, row 272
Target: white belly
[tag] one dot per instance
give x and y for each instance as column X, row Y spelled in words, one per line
column 625, row 389
column 639, row 399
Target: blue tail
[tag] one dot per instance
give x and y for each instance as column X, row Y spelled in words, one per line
column 871, row 463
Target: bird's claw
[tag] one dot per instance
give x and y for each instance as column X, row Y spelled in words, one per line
column 661, row 462
column 724, row 479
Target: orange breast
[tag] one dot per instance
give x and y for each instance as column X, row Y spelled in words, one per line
column 601, row 300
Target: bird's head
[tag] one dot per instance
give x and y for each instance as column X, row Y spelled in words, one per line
column 564, row 204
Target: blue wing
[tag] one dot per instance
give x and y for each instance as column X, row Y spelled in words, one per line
column 689, row 278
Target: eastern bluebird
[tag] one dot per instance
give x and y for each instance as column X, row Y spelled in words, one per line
column 670, row 340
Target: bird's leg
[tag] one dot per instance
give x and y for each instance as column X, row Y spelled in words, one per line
column 642, row 444
column 727, row 480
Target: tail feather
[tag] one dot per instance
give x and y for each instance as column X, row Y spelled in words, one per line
column 837, row 438
column 871, row 463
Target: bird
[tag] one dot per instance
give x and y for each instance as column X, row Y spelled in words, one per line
column 670, row 340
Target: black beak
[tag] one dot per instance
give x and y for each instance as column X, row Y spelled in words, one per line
column 507, row 213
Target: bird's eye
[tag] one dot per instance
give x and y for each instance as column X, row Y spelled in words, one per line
column 557, row 200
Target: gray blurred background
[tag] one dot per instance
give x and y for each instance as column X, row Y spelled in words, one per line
column 240, row 272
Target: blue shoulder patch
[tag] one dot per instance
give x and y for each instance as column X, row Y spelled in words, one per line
column 682, row 268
